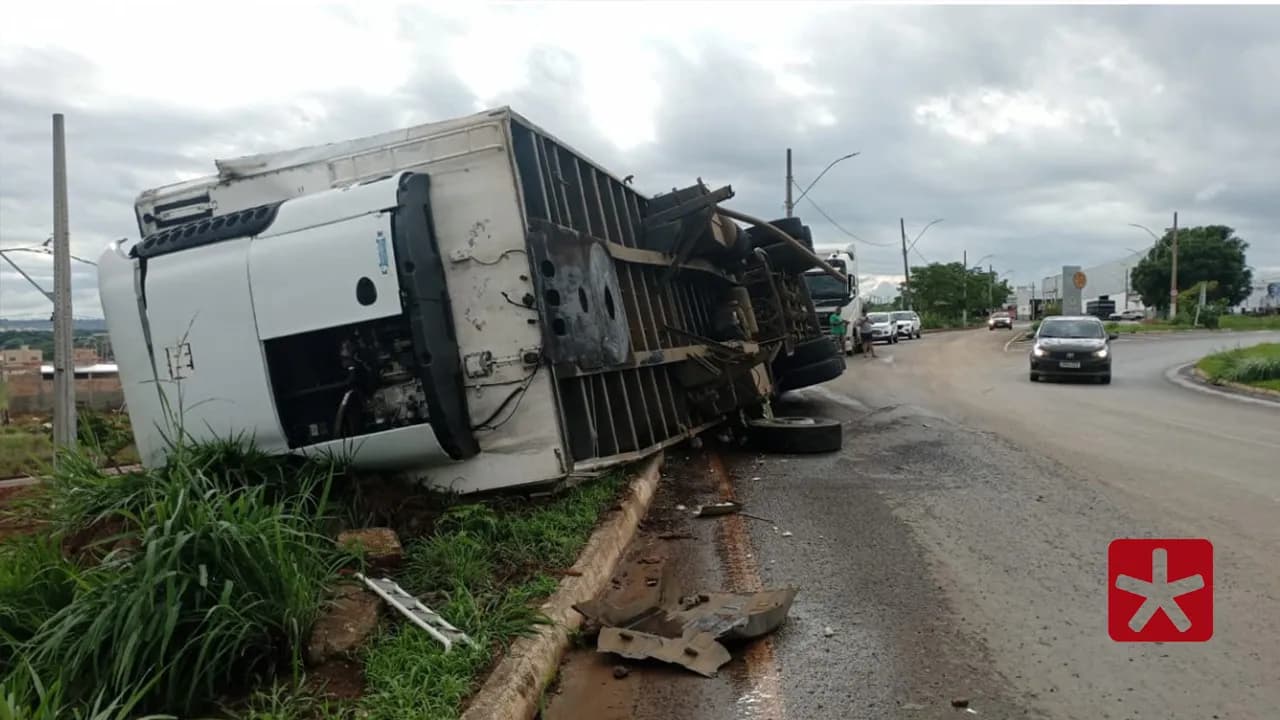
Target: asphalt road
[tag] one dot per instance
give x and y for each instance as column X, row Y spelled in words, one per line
column 956, row 548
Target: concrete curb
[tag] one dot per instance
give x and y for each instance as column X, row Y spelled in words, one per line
column 1234, row 391
column 514, row 687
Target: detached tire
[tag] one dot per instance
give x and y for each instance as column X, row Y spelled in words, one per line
column 796, row 434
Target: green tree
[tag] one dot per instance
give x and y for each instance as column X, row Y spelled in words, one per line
column 939, row 289
column 1211, row 253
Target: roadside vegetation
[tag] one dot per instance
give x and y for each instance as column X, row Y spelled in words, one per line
column 191, row 589
column 1211, row 320
column 1258, row 366
column 26, row 445
column 486, row 568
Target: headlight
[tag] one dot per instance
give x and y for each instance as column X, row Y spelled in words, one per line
column 1100, row 353
column 1038, row 351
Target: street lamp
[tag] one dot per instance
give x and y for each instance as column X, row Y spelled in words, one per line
column 1149, row 232
column 906, row 270
column 791, row 181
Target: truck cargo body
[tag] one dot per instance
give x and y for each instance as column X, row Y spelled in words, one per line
column 468, row 302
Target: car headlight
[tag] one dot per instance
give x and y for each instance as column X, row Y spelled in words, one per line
column 1039, row 351
column 1100, row 353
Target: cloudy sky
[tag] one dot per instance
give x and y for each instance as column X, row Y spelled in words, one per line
column 1038, row 133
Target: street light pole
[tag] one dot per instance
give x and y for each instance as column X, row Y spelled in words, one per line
column 64, row 372
column 1173, row 273
column 790, row 181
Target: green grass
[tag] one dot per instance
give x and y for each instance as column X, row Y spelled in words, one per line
column 23, row 452
column 200, row 578
column 485, row 569
column 1249, row 322
column 1258, row 365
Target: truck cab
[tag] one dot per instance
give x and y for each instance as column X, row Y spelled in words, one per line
column 833, row 297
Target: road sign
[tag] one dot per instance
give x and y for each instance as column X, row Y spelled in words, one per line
column 1079, row 280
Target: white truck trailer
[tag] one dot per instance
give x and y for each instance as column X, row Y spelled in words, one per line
column 467, row 302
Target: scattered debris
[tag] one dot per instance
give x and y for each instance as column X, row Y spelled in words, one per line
column 417, row 613
column 736, row 616
column 675, row 536
column 651, row 560
column 960, row 703
column 684, row 630
column 787, row 533
column 828, row 631
column 971, row 711
column 681, row 508
column 699, row 653
column 718, row 509
column 380, row 547
column 621, row 671
column 755, row 479
column 349, row 617
column 695, row 442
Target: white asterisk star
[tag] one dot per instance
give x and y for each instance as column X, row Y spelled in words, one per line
column 1160, row 594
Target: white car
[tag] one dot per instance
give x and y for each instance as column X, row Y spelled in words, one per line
column 907, row 323
column 882, row 327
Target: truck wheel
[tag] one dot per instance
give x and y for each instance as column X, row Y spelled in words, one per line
column 796, row 434
column 795, row 378
column 808, row 352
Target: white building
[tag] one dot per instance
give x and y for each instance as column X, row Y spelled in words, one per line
column 1109, row 278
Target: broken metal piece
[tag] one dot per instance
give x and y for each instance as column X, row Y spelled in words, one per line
column 417, row 613
column 697, row 652
column 718, row 509
column 736, row 616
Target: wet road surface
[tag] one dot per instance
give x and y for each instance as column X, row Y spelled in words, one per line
column 956, row 547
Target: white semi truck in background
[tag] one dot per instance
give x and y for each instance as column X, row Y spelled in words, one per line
column 468, row 302
column 831, row 296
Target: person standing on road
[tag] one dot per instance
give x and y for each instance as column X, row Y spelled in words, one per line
column 838, row 327
column 864, row 331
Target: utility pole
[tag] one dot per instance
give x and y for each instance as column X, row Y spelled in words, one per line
column 964, row 283
column 1173, row 273
column 991, row 281
column 790, row 181
column 64, row 372
column 906, row 271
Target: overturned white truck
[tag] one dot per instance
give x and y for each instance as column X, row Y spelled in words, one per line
column 468, row 302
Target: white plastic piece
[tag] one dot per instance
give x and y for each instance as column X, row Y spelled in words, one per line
column 418, row 614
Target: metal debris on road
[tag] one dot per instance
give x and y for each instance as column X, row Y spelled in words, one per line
column 828, row 631
column 718, row 509
column 787, row 533
column 684, row 630
column 699, row 653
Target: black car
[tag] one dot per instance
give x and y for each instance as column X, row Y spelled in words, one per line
column 1072, row 346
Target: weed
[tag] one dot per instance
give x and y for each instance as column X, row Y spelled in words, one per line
column 484, row 570
column 1257, row 365
column 224, row 579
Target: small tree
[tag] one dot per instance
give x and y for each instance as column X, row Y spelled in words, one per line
column 1212, row 253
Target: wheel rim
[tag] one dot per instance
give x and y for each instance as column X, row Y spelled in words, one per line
column 793, row 421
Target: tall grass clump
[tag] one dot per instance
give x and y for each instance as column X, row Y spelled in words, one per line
column 205, row 575
column 1259, row 364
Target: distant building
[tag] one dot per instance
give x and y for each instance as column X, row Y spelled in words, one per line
column 23, row 357
column 1109, row 279
column 84, row 356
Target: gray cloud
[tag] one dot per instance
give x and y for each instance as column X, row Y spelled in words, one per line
column 1086, row 119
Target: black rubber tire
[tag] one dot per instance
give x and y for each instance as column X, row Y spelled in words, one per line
column 759, row 237
column 796, row 435
column 808, row 352
column 918, row 335
column 1105, row 379
column 1035, row 377
column 813, row 374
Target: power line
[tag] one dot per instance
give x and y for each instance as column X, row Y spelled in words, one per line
column 837, row 225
